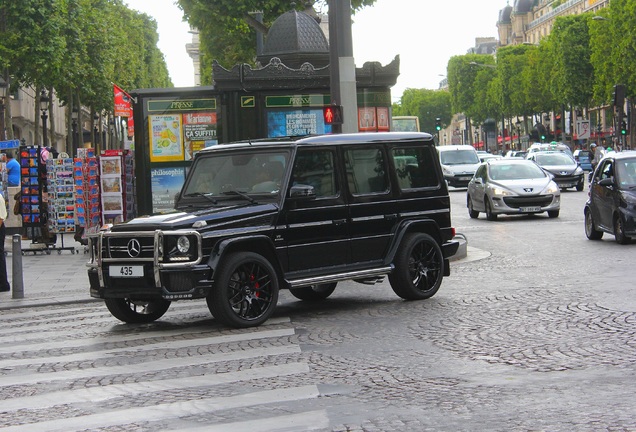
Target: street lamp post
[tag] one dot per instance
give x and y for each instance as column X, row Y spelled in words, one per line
column 519, row 134
column 4, row 87
column 44, row 106
column 74, row 117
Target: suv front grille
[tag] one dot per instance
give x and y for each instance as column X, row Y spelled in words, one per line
column 528, row 201
column 128, row 247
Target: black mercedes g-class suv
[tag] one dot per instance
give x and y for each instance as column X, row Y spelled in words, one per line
column 256, row 217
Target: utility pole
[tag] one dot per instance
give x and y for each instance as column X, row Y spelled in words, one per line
column 342, row 66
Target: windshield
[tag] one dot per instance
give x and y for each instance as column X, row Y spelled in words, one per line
column 515, row 172
column 458, row 157
column 626, row 172
column 236, row 174
column 554, row 159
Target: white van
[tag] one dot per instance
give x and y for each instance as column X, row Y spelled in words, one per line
column 459, row 163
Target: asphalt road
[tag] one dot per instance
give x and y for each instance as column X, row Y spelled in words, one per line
column 534, row 330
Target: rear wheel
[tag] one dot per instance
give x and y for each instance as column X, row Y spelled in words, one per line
column 419, row 267
column 137, row 311
column 245, row 291
column 489, row 214
column 590, row 229
column 619, row 231
column 314, row 292
column 471, row 211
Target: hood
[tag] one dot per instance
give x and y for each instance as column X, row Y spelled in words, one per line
column 525, row 186
column 560, row 169
column 226, row 216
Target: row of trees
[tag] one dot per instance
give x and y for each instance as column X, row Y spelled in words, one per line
column 78, row 48
column 574, row 68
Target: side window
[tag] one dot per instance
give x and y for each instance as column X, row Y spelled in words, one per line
column 366, row 170
column 607, row 171
column 481, row 172
column 415, row 167
column 316, row 168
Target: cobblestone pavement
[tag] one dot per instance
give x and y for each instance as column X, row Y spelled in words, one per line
column 534, row 331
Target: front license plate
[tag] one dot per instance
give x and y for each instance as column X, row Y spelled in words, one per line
column 530, row 209
column 126, row 271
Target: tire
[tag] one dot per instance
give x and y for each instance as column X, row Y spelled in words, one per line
column 489, row 214
column 472, row 212
column 314, row 292
column 137, row 311
column 553, row 214
column 245, row 291
column 590, row 229
column 619, row 231
column 419, row 267
column 579, row 186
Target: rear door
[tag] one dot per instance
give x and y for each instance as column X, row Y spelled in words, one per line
column 317, row 230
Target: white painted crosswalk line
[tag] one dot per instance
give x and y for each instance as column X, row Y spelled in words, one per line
column 145, row 366
column 111, row 352
column 169, row 411
column 98, row 394
column 307, row 421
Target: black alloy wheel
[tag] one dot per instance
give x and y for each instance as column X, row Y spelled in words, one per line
column 245, row 292
column 419, row 267
column 137, row 311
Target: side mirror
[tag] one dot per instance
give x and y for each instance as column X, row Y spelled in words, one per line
column 302, row 192
column 478, row 180
column 606, row 182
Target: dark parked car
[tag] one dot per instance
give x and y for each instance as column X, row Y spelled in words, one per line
column 565, row 170
column 253, row 218
column 611, row 207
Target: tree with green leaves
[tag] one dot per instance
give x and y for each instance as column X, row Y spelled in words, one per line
column 427, row 105
column 227, row 27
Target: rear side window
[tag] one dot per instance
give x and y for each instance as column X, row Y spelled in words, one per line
column 366, row 171
column 415, row 167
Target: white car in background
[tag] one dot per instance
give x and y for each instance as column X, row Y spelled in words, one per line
column 459, row 163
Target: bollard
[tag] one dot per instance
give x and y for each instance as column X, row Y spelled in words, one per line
column 17, row 276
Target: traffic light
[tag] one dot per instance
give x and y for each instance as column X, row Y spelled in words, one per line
column 438, row 124
column 332, row 114
column 623, row 128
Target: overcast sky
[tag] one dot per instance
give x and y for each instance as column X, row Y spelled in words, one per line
column 425, row 33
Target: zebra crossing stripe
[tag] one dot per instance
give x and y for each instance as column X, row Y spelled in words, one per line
column 111, row 352
column 307, row 421
column 169, row 411
column 99, row 394
column 144, row 367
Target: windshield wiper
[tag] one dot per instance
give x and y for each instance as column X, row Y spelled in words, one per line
column 204, row 195
column 241, row 194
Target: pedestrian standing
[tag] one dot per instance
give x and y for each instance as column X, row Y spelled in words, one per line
column 4, row 281
column 13, row 170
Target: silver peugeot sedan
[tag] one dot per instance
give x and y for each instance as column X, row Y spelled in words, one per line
column 512, row 186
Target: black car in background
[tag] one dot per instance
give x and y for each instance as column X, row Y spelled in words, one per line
column 565, row 171
column 611, row 207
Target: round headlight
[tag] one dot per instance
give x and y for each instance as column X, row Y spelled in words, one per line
column 183, row 244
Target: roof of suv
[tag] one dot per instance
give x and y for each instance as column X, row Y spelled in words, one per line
column 353, row 138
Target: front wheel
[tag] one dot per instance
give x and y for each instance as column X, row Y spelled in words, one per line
column 590, row 229
column 137, row 311
column 419, row 267
column 619, row 231
column 553, row 214
column 245, row 291
column 314, row 292
column 489, row 214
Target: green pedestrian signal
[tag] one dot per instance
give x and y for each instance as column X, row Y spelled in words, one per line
column 438, row 124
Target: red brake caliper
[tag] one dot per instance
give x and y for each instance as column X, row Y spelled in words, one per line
column 257, row 293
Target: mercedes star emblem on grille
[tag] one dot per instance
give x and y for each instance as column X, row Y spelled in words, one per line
column 134, row 248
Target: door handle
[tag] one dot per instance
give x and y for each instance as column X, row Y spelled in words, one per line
column 390, row 216
column 339, row 221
